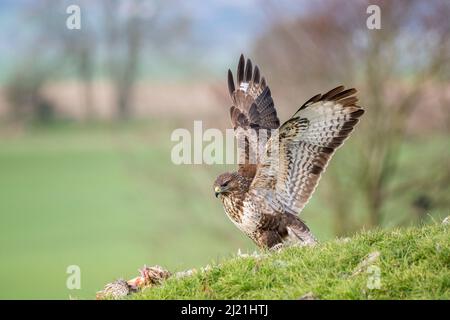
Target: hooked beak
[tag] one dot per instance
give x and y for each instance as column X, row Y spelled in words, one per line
column 217, row 191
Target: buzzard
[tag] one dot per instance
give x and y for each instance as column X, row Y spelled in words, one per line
column 265, row 195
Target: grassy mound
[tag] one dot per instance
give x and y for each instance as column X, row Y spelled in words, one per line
column 411, row 263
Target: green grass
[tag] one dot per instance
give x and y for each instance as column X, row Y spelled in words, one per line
column 414, row 263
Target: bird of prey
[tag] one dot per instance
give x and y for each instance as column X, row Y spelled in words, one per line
column 264, row 197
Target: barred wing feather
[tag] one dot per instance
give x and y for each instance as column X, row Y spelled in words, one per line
column 253, row 108
column 289, row 173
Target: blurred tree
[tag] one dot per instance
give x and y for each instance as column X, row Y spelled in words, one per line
column 124, row 41
column 53, row 51
column 80, row 46
column 113, row 34
column 131, row 27
column 24, row 91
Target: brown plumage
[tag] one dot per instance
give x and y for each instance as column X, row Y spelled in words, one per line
column 280, row 167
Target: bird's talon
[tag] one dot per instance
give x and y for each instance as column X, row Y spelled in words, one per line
column 277, row 247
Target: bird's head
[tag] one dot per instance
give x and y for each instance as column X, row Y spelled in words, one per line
column 225, row 184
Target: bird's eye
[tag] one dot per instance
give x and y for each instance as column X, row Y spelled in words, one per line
column 225, row 183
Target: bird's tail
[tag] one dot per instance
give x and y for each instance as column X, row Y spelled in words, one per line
column 299, row 234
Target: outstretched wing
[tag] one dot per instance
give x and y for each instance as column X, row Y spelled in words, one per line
column 253, row 109
column 289, row 172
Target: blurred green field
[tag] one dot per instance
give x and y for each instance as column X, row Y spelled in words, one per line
column 108, row 199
